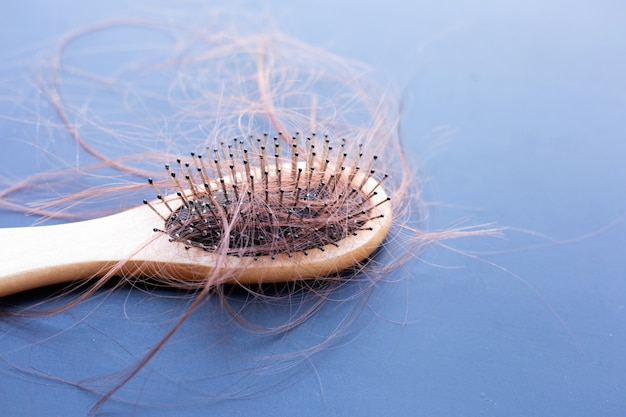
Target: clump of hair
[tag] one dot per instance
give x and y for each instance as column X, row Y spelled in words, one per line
column 274, row 201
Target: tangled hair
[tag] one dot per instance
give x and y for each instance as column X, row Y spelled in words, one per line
column 181, row 97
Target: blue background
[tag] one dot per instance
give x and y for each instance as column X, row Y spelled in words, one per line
column 515, row 113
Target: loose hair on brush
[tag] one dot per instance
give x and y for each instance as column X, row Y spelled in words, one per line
column 245, row 145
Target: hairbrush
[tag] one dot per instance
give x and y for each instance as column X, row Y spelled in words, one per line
column 250, row 211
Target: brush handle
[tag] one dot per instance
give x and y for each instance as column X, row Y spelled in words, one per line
column 33, row 257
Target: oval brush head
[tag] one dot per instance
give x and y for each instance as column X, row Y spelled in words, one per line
column 265, row 210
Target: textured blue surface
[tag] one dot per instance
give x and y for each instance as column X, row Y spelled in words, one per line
column 515, row 113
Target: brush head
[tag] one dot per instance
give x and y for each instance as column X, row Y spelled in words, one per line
column 292, row 210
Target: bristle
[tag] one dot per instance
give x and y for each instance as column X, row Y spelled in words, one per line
column 316, row 204
column 369, row 172
column 373, row 190
column 158, row 194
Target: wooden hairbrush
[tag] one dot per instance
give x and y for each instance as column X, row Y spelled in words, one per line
column 250, row 216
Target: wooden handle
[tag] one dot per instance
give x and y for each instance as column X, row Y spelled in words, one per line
column 32, row 257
